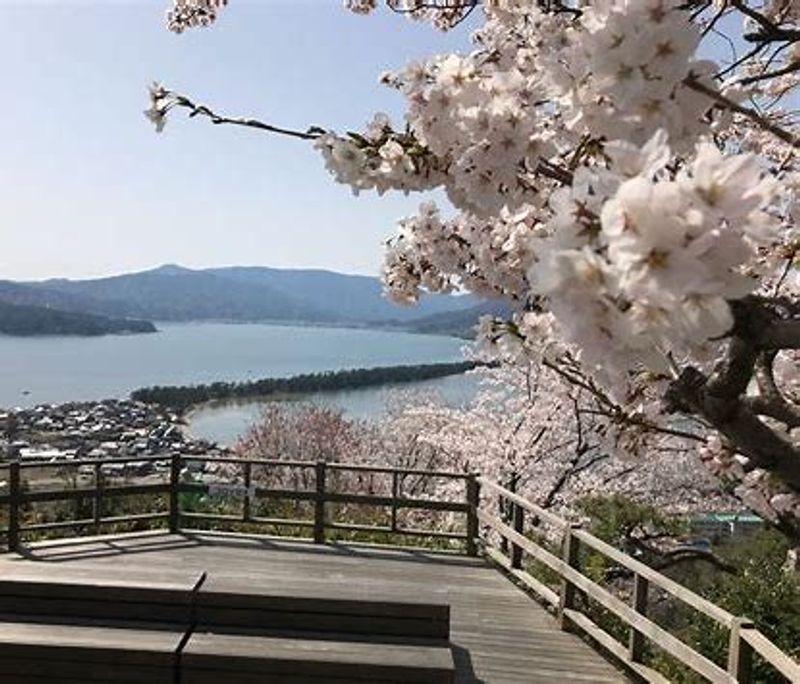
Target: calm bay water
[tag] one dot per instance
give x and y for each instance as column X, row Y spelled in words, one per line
column 227, row 422
column 59, row 369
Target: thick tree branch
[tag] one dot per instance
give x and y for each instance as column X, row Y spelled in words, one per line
column 771, row 401
column 678, row 556
column 781, row 335
column 720, row 398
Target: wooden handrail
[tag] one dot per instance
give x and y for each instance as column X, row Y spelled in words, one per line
column 744, row 637
column 771, row 653
column 537, row 511
column 639, row 569
column 320, row 495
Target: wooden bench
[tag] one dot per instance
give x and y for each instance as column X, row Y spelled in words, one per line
column 222, row 606
column 79, row 626
column 216, row 658
column 46, row 591
column 72, row 654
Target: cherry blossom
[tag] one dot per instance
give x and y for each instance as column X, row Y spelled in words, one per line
column 633, row 200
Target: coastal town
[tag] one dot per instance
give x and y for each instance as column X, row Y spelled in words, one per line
column 109, row 429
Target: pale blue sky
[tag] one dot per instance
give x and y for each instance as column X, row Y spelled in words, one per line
column 87, row 188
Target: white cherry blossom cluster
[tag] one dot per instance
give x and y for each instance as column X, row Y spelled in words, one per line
column 188, row 14
column 487, row 256
column 653, row 277
column 380, row 159
column 523, row 422
column 537, row 133
column 624, row 72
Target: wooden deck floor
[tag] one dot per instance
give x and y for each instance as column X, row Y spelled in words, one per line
column 499, row 635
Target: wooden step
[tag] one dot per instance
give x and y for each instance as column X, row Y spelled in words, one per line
column 217, row 604
column 63, row 653
column 52, row 592
column 215, row 658
column 222, row 606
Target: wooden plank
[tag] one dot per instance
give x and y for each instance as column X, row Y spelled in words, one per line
column 90, row 492
column 54, row 671
column 50, row 594
column 317, row 658
column 663, row 639
column 538, row 511
column 372, row 500
column 265, row 462
column 223, row 677
column 78, row 643
column 567, row 592
column 499, row 633
column 174, row 501
column 74, row 463
column 679, row 591
column 531, row 548
column 87, row 522
column 220, row 592
column 613, row 646
column 473, row 496
column 445, row 474
column 14, row 494
column 636, row 641
column 320, row 518
column 787, row 666
column 659, row 636
column 387, row 529
column 540, row 589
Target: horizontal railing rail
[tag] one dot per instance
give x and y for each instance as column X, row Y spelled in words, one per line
column 179, row 480
column 521, row 515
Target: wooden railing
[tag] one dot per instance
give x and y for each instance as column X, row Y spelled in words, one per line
column 515, row 527
column 477, row 507
column 176, row 482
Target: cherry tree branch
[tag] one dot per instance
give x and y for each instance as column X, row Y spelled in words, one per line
column 720, row 397
column 311, row 133
column 752, row 114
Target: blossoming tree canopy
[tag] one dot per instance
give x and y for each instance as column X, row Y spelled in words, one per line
column 628, row 185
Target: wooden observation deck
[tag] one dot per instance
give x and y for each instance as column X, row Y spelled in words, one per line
column 193, row 606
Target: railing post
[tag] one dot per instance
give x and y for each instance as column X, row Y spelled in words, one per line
column 13, row 505
column 97, row 503
column 519, row 528
column 174, row 500
column 568, row 592
column 639, row 603
column 473, row 502
column 319, row 504
column 395, row 494
column 740, row 653
column 506, row 509
column 248, row 479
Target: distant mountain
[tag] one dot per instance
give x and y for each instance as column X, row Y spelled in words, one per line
column 28, row 320
column 345, row 297
column 174, row 293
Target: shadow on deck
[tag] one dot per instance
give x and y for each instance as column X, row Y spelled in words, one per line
column 497, row 633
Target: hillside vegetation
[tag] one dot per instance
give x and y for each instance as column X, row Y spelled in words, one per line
column 27, row 320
